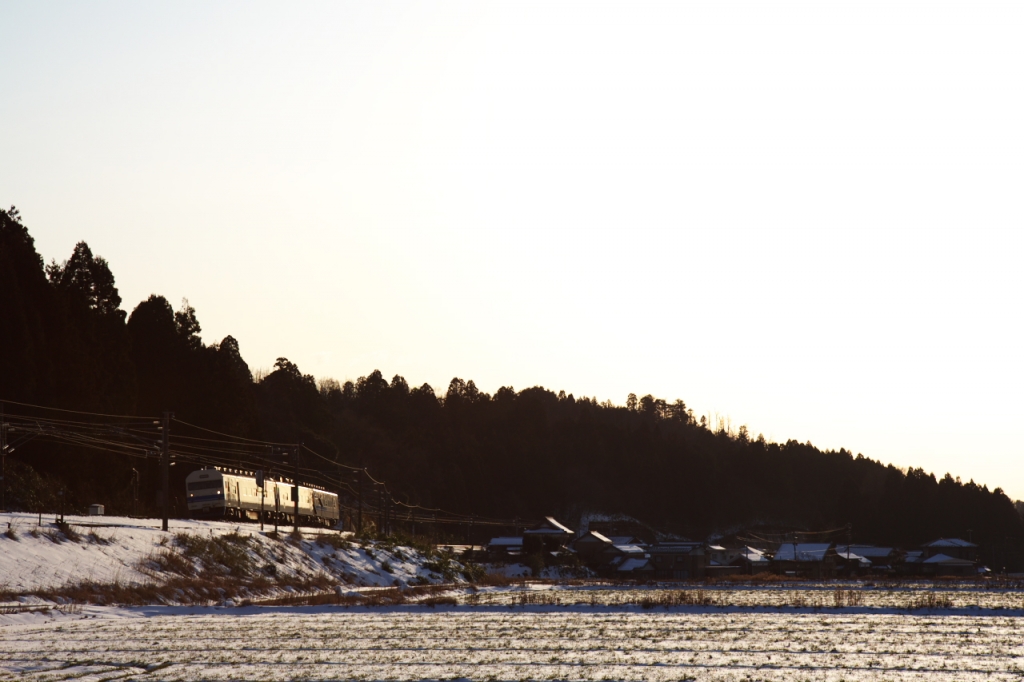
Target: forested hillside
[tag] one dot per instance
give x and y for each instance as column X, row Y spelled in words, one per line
column 66, row 341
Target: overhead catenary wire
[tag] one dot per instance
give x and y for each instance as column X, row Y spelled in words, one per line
column 137, row 437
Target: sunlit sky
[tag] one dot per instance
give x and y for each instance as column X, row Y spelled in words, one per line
column 802, row 217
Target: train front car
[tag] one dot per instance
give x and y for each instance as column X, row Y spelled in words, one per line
column 205, row 490
column 326, row 510
column 234, row 494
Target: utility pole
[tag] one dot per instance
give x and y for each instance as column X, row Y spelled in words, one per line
column 359, row 493
column 165, row 464
column 295, row 488
column 277, row 505
column 261, row 481
column 3, row 460
column 135, row 492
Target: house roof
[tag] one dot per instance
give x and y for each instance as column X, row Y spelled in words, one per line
column 753, row 555
column 630, row 549
column 947, row 561
column 949, row 542
column 633, row 564
column 675, row 547
column 853, row 556
column 506, row 542
column 596, row 536
column 717, row 548
column 866, row 551
column 805, row 551
column 549, row 527
column 624, row 540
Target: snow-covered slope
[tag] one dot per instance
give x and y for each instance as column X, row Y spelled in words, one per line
column 119, row 550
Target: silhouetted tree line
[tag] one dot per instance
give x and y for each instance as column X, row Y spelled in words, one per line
column 65, row 342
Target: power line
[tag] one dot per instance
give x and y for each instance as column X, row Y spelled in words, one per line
column 60, row 409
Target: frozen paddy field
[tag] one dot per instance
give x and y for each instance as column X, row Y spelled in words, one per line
column 498, row 642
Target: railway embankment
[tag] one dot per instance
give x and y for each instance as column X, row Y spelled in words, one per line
column 119, row 560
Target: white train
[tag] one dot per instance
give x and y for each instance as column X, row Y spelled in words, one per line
column 234, row 494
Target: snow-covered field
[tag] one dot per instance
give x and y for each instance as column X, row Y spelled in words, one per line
column 578, row 643
column 774, row 631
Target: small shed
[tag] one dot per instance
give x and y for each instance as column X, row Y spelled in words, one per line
column 504, row 548
column 95, row 510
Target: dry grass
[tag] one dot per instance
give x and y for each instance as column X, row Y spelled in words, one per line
column 96, row 539
column 177, row 590
column 229, row 554
column 929, row 601
column 678, row 598
column 843, row 597
column 334, row 540
column 493, row 580
column 763, row 578
column 68, row 532
column 391, row 596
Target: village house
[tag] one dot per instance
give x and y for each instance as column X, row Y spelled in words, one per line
column 719, row 561
column 592, row 547
column 883, row 560
column 677, row 560
column 806, row 560
column 751, row 561
column 550, row 530
column 849, row 563
column 951, row 547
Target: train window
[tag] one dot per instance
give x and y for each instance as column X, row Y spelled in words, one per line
column 203, row 485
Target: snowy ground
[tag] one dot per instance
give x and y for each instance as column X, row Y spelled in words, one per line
column 783, row 631
column 122, row 550
column 576, row 643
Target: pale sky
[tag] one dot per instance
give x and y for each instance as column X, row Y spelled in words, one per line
column 804, row 216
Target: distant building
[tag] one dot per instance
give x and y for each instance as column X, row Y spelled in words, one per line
column 592, row 546
column 549, row 527
column 633, row 529
column 719, row 561
column 883, row 559
column 505, row 548
column 547, row 536
column 941, row 564
column 948, row 556
column 677, row 560
column 751, row 561
column 951, row 547
column 807, row 560
column 849, row 563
